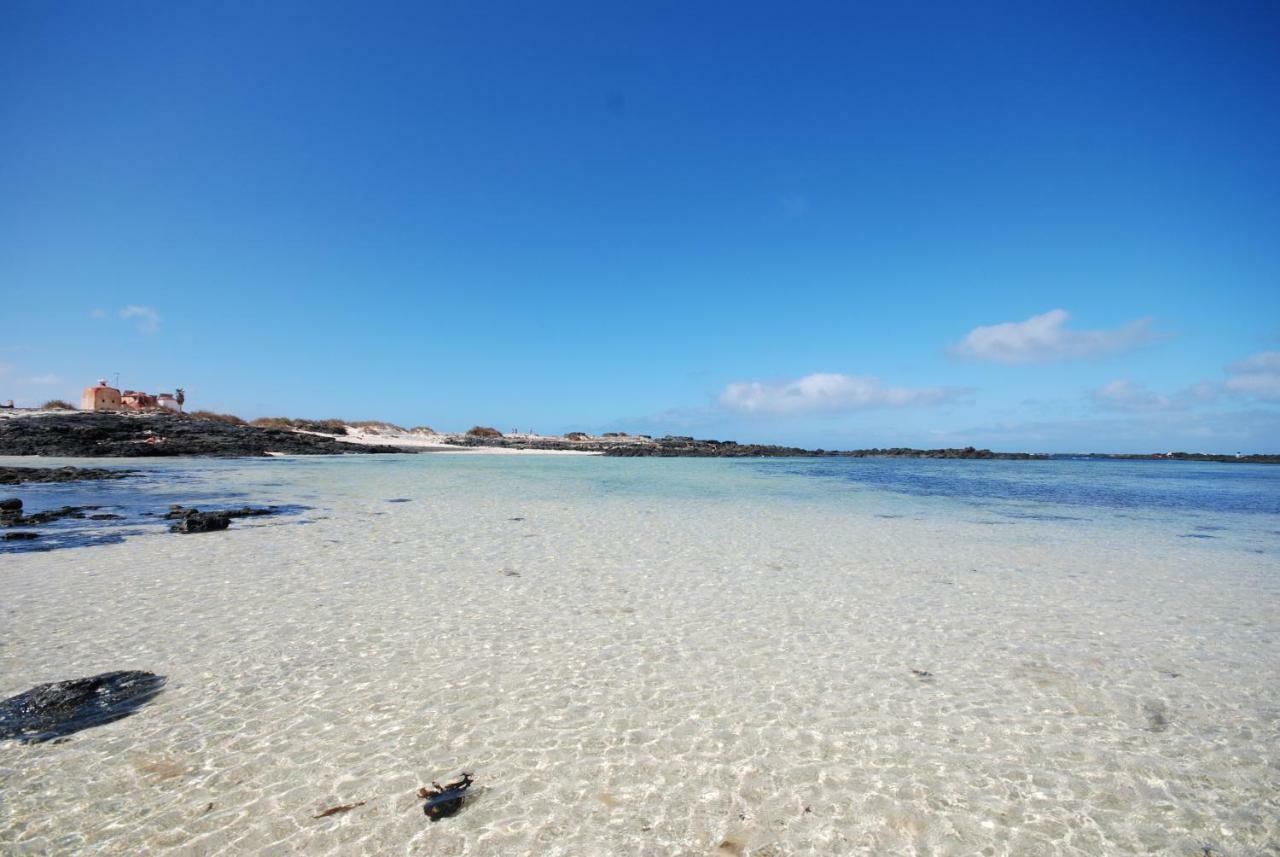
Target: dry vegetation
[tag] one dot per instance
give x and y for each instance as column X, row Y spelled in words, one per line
column 229, row 419
column 483, row 431
column 58, row 405
column 331, row 426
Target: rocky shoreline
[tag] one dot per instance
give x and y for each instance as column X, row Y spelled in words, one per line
column 108, row 435
column 688, row 447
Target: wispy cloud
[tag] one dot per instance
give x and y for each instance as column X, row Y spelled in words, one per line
column 148, row 318
column 825, row 392
column 1046, row 337
column 1125, row 395
column 41, row 380
column 6, row 368
column 1257, row 376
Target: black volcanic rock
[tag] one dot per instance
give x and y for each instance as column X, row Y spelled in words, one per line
column 156, row 435
column 18, row 475
column 61, row 708
column 201, row 522
column 195, row 521
column 680, row 446
column 15, row 518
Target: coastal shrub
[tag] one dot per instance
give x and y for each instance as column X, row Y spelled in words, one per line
column 375, row 424
column 229, row 419
column 483, row 431
column 272, row 422
column 332, row 426
column 423, row 430
column 577, row 435
column 322, row 426
column 58, row 405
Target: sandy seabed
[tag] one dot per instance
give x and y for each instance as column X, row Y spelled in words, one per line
column 646, row 658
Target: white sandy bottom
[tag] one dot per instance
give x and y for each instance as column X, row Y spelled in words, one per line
column 656, row 678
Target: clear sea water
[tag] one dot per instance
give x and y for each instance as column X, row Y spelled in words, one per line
column 661, row 657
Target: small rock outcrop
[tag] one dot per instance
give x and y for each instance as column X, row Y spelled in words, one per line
column 63, row 707
column 11, row 514
column 195, row 521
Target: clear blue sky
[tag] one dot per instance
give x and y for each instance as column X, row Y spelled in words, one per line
column 778, row 222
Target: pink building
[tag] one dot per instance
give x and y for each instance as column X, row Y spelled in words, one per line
column 138, row 401
column 100, row 398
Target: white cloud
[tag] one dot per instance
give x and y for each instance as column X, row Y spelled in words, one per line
column 1257, row 376
column 1124, row 395
column 1046, row 337
column 97, row 313
column 148, row 318
column 825, row 392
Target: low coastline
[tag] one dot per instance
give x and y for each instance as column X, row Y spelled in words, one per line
column 76, row 434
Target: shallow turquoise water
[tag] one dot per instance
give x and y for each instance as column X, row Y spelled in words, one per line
column 660, row 657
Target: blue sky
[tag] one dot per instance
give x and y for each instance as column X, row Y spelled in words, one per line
column 844, row 225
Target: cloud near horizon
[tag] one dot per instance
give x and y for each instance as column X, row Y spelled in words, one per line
column 1046, row 337
column 826, row 392
column 1125, row 395
column 148, row 318
column 1257, row 376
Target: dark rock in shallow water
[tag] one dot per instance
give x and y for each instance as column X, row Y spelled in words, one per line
column 18, row 475
column 195, row 521
column 11, row 514
column 201, row 522
column 48, row 516
column 20, row 536
column 10, row 504
column 61, row 708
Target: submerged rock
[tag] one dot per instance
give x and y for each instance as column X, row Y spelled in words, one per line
column 22, row 536
column 63, row 707
column 195, row 521
column 18, row 475
column 11, row 514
